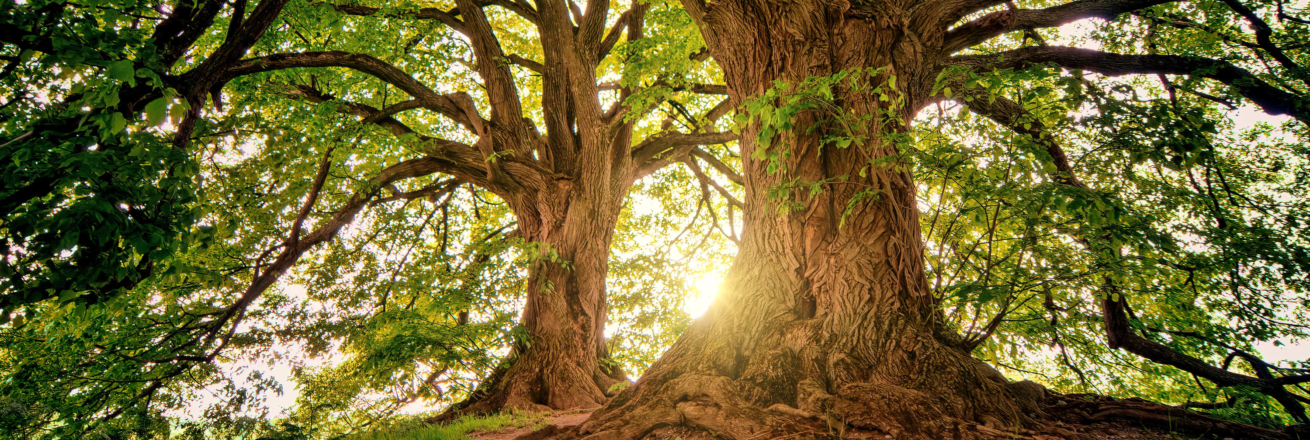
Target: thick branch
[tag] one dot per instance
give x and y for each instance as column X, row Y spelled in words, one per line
column 997, row 23
column 957, row 9
column 176, row 33
column 612, row 37
column 446, row 17
column 502, row 92
column 448, row 105
column 1272, row 99
column 1262, row 36
column 457, row 159
column 519, row 7
column 591, row 29
column 211, row 71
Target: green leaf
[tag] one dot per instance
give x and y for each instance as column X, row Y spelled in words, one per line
column 155, row 111
column 117, row 123
column 178, row 111
column 1049, row 167
column 123, row 71
column 67, row 295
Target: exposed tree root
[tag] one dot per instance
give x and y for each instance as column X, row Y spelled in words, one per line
column 863, row 411
column 533, row 384
column 691, row 406
column 1093, row 413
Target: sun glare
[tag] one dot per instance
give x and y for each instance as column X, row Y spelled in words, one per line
column 706, row 288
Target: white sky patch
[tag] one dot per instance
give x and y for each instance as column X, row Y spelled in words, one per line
column 1248, row 116
column 1074, row 34
column 1276, row 352
column 707, row 288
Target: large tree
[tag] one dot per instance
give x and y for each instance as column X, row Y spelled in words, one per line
column 535, row 125
column 827, row 321
column 564, row 176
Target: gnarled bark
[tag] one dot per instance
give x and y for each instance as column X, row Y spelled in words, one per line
column 565, row 187
column 826, row 323
column 559, row 366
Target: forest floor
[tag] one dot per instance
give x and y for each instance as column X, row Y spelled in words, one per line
column 562, row 419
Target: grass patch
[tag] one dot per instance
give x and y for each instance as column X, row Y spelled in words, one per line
column 457, row 429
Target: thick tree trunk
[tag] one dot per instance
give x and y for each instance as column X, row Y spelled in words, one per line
column 826, row 323
column 558, row 365
column 821, row 320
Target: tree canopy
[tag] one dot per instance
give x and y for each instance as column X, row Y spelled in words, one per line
column 407, row 204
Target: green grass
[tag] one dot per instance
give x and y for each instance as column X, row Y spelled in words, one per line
column 455, row 430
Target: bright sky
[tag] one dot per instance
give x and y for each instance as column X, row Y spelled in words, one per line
column 1245, row 118
column 706, row 289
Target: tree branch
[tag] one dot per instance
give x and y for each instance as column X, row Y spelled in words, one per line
column 502, row 92
column 612, row 37
column 519, row 7
column 445, row 17
column 1262, row 37
column 1012, row 115
column 1272, row 99
column 659, row 151
column 591, row 29
column 1119, row 333
column 210, row 73
column 957, row 9
column 320, row 178
column 457, row 159
column 718, row 165
column 526, row 63
column 649, row 149
column 183, row 26
column 433, row 192
column 997, row 23
column 448, row 105
column 705, row 180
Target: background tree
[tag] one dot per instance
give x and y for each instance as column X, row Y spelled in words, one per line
column 828, row 317
column 565, row 188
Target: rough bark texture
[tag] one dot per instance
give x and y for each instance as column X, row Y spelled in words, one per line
column 558, row 366
column 565, row 181
column 826, row 326
column 826, row 322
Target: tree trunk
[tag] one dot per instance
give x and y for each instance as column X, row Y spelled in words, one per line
column 558, row 365
column 826, row 322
